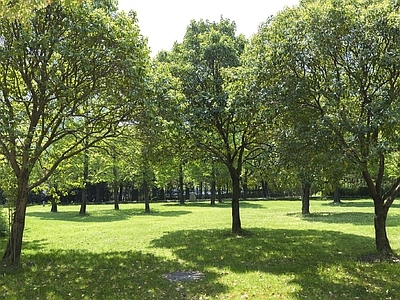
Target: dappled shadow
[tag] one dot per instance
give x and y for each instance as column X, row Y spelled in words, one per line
column 198, row 204
column 84, row 275
column 358, row 203
column 351, row 203
column 105, row 215
column 356, row 218
column 283, row 252
column 225, row 204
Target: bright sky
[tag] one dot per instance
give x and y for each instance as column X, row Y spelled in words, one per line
column 164, row 21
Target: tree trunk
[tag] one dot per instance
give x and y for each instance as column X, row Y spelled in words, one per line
column 236, row 223
column 187, row 193
column 115, row 195
column 200, row 194
column 85, row 182
column 82, row 211
column 213, row 192
column 13, row 250
column 264, row 185
column 115, row 181
column 181, row 197
column 381, row 211
column 220, row 194
column 381, row 239
column 245, row 191
column 336, row 196
column 245, row 187
column 54, row 207
column 213, row 185
column 146, row 196
column 121, row 193
column 305, row 199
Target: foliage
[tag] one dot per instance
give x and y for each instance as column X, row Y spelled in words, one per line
column 67, row 76
column 23, row 9
column 334, row 67
column 221, row 114
column 4, row 228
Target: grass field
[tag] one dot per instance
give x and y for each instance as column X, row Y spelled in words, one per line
column 126, row 254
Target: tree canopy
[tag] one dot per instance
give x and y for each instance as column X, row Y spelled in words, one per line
column 308, row 101
column 337, row 62
column 70, row 76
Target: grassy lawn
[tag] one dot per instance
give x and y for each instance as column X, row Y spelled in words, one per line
column 126, row 254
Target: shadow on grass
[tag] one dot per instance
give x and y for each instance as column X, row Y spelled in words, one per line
column 356, row 218
column 312, row 257
column 105, row 215
column 225, row 204
column 357, row 203
column 84, row 275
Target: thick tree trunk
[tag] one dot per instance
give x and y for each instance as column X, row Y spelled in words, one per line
column 305, row 198
column 13, row 250
column 381, row 239
column 82, row 210
column 381, row 209
column 54, row 207
column 336, row 196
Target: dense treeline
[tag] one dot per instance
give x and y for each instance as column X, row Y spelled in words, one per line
column 309, row 104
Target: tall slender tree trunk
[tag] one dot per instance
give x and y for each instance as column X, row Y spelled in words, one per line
column 181, row 197
column 146, row 196
column 213, row 192
column 236, row 223
column 115, row 195
column 13, row 250
column 305, row 198
column 264, row 185
column 115, row 181
column 85, row 183
column 201, row 188
column 98, row 193
column 213, row 185
column 245, row 191
column 220, row 194
column 121, row 193
column 245, row 187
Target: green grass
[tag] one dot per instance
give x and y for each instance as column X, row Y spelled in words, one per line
column 125, row 254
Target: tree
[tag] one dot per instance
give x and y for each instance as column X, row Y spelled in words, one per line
column 53, row 65
column 339, row 60
column 22, row 9
column 222, row 116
